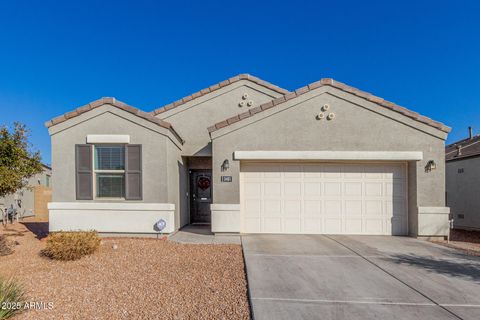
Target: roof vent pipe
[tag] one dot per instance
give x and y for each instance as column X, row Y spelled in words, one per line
column 459, row 151
column 470, row 132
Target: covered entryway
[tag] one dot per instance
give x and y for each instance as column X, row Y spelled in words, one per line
column 324, row 198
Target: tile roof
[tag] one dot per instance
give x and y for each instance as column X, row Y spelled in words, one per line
column 218, row 86
column 465, row 148
column 338, row 85
column 116, row 103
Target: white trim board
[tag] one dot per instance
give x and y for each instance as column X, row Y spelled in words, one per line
column 435, row 210
column 135, row 206
column 329, row 155
column 108, row 138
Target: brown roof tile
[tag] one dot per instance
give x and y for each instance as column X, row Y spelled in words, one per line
column 114, row 102
column 221, row 85
column 233, row 119
column 352, row 90
column 466, row 148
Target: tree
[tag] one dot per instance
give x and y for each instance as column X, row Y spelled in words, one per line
column 17, row 160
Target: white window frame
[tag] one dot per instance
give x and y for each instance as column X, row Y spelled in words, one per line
column 95, row 171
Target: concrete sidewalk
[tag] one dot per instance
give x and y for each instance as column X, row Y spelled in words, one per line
column 359, row 277
column 201, row 234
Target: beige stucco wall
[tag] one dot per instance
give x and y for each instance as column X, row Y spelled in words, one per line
column 192, row 119
column 358, row 126
column 463, row 192
column 27, row 195
column 111, row 120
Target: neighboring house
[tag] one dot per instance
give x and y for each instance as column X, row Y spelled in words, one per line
column 33, row 199
column 250, row 157
column 463, row 182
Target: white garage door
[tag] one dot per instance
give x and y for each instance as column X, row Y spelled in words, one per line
column 328, row 198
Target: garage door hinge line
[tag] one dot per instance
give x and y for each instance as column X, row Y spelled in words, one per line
column 393, row 276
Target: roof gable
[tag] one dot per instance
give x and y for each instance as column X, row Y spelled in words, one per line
column 339, row 85
column 217, row 86
column 118, row 104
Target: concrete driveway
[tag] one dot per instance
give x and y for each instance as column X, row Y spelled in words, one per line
column 359, row 277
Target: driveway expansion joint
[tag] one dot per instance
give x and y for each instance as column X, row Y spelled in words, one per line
column 396, row 278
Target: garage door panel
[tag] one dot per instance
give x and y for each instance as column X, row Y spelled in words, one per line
column 353, row 226
column 293, row 189
column 253, row 225
column 272, row 189
column 353, row 188
column 333, row 226
column 374, row 226
column 293, row 225
column 373, row 208
column 353, row 208
column 326, row 198
column 253, row 208
column 312, row 225
column 253, row 189
column 333, row 208
column 312, row 189
column 374, row 189
column 293, row 208
column 272, row 208
column 272, row 225
column 312, row 208
column 332, row 188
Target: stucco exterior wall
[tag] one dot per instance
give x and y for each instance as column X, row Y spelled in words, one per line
column 192, row 119
column 27, row 195
column 358, row 126
column 108, row 120
column 463, row 191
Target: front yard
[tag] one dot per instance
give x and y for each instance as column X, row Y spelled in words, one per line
column 466, row 241
column 130, row 279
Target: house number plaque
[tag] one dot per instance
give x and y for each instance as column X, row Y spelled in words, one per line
column 226, row 178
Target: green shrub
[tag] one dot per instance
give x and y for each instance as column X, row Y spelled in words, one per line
column 12, row 298
column 6, row 246
column 71, row 245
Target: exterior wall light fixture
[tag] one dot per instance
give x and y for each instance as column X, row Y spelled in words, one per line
column 431, row 165
column 225, row 165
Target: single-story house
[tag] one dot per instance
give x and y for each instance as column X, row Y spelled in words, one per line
column 31, row 200
column 463, row 182
column 247, row 156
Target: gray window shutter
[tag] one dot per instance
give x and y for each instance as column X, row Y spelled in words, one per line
column 84, row 172
column 133, row 172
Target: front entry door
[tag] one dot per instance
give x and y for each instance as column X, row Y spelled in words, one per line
column 201, row 195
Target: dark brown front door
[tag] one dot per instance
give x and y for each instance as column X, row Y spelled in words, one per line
column 201, row 195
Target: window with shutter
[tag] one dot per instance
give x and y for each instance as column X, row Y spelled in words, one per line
column 113, row 172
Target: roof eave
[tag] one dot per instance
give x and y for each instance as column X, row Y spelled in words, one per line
column 217, row 86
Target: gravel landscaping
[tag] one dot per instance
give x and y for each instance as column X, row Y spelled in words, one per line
column 467, row 241
column 140, row 279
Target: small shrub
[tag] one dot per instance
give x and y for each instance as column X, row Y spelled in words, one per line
column 68, row 246
column 6, row 246
column 12, row 298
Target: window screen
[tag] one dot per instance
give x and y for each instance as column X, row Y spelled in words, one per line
column 110, row 185
column 109, row 158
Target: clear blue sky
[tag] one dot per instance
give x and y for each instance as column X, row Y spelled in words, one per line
column 58, row 55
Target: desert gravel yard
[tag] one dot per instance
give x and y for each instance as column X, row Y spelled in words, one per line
column 140, row 279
